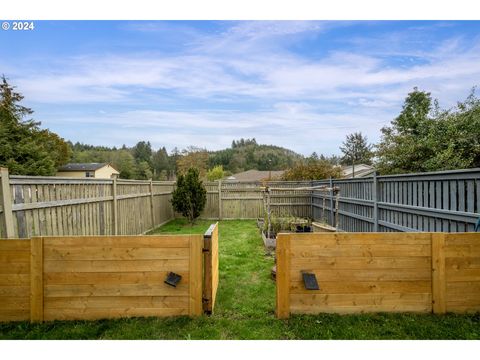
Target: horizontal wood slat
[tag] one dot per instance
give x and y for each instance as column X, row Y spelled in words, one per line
column 374, row 272
column 93, row 277
column 14, row 280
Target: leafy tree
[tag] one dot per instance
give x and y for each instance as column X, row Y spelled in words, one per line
column 332, row 159
column 454, row 137
column 423, row 138
column 173, row 159
column 143, row 171
column 356, row 150
column 216, row 173
column 404, row 145
column 193, row 158
column 312, row 170
column 190, row 196
column 25, row 148
column 123, row 161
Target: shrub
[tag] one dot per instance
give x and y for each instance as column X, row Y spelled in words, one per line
column 190, row 195
column 215, row 173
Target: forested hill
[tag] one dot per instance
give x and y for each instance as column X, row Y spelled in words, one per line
column 143, row 162
column 247, row 154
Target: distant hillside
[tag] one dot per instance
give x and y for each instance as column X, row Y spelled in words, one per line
column 247, row 154
column 142, row 162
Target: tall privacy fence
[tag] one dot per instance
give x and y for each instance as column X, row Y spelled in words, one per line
column 447, row 201
column 244, row 200
column 54, row 206
column 444, row 201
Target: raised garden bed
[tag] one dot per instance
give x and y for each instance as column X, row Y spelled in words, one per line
column 271, row 242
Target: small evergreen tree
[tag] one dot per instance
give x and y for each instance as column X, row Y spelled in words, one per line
column 356, row 150
column 190, row 196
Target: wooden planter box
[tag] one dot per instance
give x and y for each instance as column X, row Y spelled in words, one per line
column 321, row 227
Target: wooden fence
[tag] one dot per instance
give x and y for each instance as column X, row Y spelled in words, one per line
column 378, row 272
column 92, row 277
column 444, row 201
column 53, row 206
column 244, row 200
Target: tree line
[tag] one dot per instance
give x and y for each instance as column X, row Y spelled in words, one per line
column 423, row 137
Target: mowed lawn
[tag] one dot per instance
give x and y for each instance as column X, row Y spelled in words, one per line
column 245, row 307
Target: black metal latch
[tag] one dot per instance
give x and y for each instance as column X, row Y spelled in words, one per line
column 173, row 279
column 310, row 281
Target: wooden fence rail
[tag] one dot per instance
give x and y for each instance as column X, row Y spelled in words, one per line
column 378, row 272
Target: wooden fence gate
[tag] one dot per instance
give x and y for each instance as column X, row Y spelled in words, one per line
column 94, row 277
column 210, row 282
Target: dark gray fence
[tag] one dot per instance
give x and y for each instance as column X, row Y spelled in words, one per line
column 446, row 201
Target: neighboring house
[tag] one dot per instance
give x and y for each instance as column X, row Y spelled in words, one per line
column 360, row 170
column 92, row 170
column 256, row 175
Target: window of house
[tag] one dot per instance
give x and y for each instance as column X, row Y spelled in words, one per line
column 90, row 174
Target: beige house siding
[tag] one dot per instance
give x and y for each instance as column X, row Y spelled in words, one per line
column 105, row 172
column 71, row 174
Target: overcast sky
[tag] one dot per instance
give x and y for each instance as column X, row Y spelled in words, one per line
column 298, row 84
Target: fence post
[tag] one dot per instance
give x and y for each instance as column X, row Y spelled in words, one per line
column 312, row 184
column 36, row 279
column 438, row 273
column 283, row 276
column 375, row 202
column 151, row 203
column 115, row 207
column 220, row 199
column 6, row 201
column 331, row 202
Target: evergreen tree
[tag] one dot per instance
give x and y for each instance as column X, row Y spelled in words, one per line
column 356, row 150
column 160, row 163
column 142, row 151
column 25, row 148
column 190, row 196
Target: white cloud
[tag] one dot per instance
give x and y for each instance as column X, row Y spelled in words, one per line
column 327, row 97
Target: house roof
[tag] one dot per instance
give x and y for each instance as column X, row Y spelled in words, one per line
column 361, row 170
column 83, row 166
column 255, row 175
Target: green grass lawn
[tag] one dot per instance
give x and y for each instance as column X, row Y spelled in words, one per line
column 245, row 307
